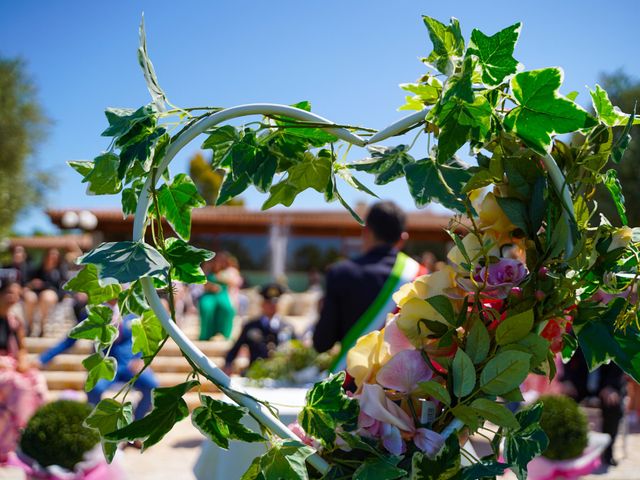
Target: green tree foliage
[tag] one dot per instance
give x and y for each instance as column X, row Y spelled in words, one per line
column 624, row 92
column 208, row 180
column 22, row 128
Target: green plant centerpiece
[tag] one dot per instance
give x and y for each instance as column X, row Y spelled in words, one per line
column 565, row 425
column 55, row 435
column 531, row 261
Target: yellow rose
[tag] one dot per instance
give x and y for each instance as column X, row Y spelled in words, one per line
column 621, row 238
column 367, row 356
column 491, row 217
column 414, row 307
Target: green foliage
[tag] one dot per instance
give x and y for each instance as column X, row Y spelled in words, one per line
column 504, row 372
column 168, row 409
column 283, row 460
column 514, row 328
column 98, row 367
column 478, row 342
column 55, row 435
column 565, row 425
column 527, row 442
column 541, row 110
column 98, row 326
column 379, row 469
column 22, row 129
column 326, row 408
column 448, row 44
column 185, row 260
column 221, row 421
column 126, row 261
column 87, row 281
column 288, row 359
column 176, row 200
column 109, row 416
column 386, row 163
column 495, row 53
column 445, row 466
column 464, row 374
column 147, row 334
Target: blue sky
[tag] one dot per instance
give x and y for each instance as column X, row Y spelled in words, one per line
column 346, row 57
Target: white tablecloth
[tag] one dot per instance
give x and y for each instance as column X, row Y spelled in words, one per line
column 216, row 463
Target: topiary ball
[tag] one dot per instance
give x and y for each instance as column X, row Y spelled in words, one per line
column 55, row 435
column 566, row 426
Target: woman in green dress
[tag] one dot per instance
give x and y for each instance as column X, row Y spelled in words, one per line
column 216, row 309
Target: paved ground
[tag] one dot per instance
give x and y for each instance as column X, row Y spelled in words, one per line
column 174, row 457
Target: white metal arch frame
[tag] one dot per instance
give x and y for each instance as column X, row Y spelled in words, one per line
column 259, row 411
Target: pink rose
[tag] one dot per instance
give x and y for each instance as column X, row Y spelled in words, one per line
column 501, row 277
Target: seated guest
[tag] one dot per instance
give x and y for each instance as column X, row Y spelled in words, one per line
column 263, row 334
column 22, row 388
column 44, row 289
column 18, row 265
column 128, row 366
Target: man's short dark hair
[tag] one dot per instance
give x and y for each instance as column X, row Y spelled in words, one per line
column 386, row 221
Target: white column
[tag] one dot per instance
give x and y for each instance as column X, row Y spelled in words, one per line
column 278, row 235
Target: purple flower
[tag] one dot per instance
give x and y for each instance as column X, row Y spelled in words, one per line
column 501, row 276
column 428, row 441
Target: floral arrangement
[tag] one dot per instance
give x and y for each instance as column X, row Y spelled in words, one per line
column 534, row 270
column 291, row 363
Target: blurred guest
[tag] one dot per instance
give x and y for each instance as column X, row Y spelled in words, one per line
column 230, row 275
column 129, row 365
column 22, row 388
column 216, row 310
column 80, row 313
column 263, row 334
column 358, row 292
column 19, row 265
column 429, row 261
column 44, row 290
column 607, row 384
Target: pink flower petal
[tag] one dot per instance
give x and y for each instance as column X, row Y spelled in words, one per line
column 403, row 372
column 394, row 337
column 374, row 403
column 392, row 440
column 428, row 441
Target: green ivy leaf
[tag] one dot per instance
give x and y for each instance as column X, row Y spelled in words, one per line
column 97, row 327
column 132, row 300
column 478, row 342
column 445, row 466
column 464, row 374
column 130, row 197
column 606, row 112
column 541, row 110
column 138, row 150
column 98, row 367
column 525, row 443
column 495, row 53
column 427, row 92
column 185, row 260
column 460, row 120
column 429, row 181
column 601, row 342
column 83, row 167
column 122, row 120
column 623, row 141
column 103, row 177
column 314, row 172
column 386, row 163
column 352, row 181
column 514, row 328
column 168, row 409
column 126, row 261
column 87, row 281
column 221, row 140
column 448, row 44
column 176, row 200
column 504, row 372
column 610, row 180
column 108, row 416
column 435, row 390
column 147, row 334
column 379, row 469
column 285, row 460
column 494, row 412
column 483, row 469
column 327, row 407
column 221, row 421
column 157, row 94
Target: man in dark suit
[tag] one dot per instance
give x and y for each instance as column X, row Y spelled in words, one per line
column 263, row 334
column 358, row 291
column 607, row 383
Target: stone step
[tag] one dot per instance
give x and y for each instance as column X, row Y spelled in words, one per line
column 213, row 348
column 57, row 380
column 71, row 362
column 192, row 398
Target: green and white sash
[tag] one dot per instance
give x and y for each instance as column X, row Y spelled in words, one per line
column 404, row 270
